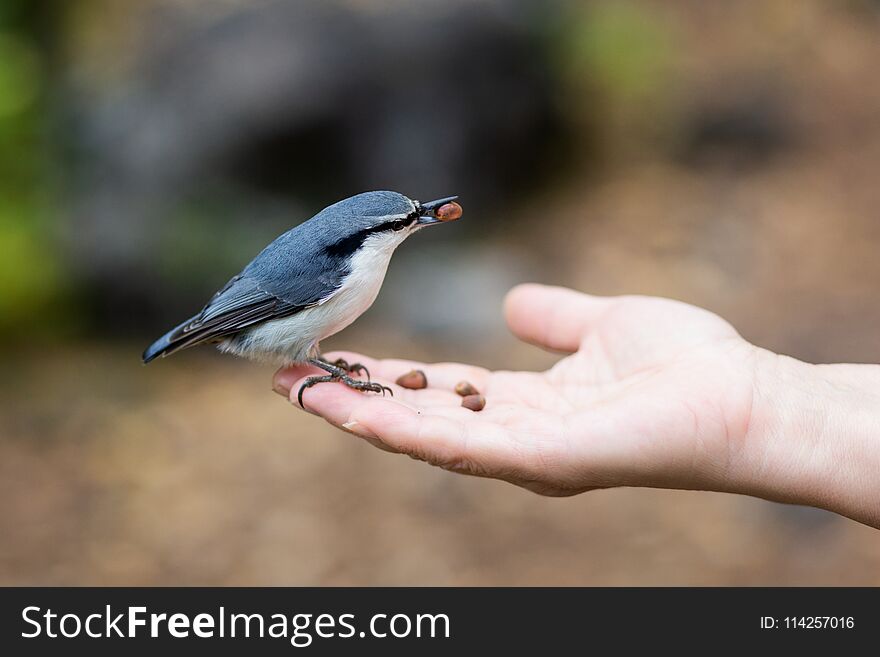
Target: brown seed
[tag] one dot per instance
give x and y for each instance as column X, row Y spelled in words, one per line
column 414, row 380
column 449, row 212
column 465, row 388
column 474, row 402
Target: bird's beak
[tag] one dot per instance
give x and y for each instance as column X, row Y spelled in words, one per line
column 439, row 211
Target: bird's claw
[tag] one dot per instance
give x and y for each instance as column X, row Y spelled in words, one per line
column 309, row 382
column 351, row 368
column 366, row 386
column 363, row 386
column 378, row 387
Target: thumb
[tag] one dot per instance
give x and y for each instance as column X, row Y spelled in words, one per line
column 554, row 318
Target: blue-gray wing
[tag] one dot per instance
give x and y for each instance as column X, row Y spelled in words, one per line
column 243, row 302
column 293, row 273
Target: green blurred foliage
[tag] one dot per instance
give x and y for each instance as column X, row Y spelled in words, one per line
column 29, row 275
column 625, row 49
column 31, row 279
column 20, row 75
column 617, row 56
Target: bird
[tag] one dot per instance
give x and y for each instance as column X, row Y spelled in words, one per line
column 308, row 284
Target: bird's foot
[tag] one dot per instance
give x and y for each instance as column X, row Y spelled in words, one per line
column 340, row 372
column 350, row 368
column 355, row 384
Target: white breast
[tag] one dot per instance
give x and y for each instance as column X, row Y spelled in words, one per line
column 294, row 339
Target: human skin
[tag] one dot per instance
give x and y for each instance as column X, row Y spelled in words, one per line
column 651, row 392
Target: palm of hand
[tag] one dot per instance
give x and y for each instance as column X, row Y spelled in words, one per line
column 655, row 393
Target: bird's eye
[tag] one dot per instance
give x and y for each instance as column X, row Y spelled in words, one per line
column 398, row 225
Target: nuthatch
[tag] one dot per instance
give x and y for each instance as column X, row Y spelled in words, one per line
column 310, row 283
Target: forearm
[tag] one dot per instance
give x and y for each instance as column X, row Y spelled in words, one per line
column 814, row 437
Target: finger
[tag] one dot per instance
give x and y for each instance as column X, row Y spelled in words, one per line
column 439, row 375
column 453, row 440
column 287, row 382
column 392, row 424
column 554, row 318
column 447, row 436
column 285, row 378
column 443, row 437
column 337, row 403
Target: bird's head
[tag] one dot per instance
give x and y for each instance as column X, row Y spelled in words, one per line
column 380, row 221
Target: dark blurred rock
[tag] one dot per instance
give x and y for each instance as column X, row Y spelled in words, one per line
column 292, row 106
column 740, row 131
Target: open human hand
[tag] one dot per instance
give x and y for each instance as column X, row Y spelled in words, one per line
column 653, row 393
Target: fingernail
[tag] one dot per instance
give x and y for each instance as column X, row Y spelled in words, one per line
column 359, row 429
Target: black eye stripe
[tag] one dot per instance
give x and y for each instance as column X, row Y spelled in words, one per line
column 348, row 245
column 411, row 217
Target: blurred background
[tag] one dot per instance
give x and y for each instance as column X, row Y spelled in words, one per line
column 722, row 153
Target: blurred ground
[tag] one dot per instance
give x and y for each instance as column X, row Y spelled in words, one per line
column 725, row 154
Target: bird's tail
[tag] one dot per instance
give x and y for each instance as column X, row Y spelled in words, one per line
column 168, row 343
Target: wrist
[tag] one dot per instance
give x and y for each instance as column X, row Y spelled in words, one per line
column 814, row 436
